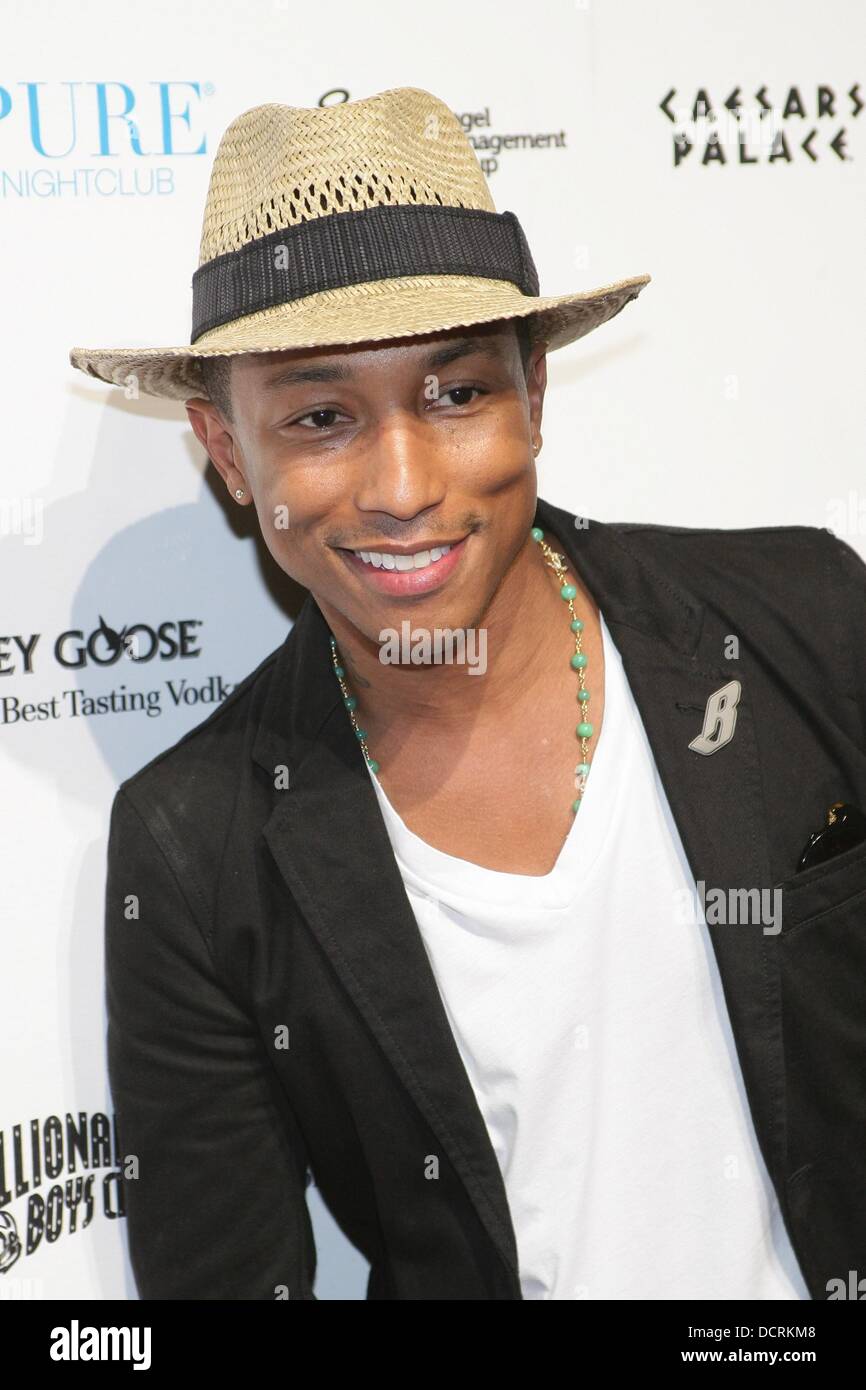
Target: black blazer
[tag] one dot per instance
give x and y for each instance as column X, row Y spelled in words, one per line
column 272, row 1010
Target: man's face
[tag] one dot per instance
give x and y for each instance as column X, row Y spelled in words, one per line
column 403, row 446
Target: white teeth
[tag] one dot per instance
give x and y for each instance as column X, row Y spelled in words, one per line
column 419, row 561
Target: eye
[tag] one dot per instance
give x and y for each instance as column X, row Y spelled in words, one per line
column 322, row 424
column 457, row 390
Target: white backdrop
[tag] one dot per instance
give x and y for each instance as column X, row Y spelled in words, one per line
column 729, row 394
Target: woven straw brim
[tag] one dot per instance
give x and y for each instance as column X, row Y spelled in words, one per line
column 394, row 308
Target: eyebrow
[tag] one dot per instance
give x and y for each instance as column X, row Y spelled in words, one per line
column 439, row 357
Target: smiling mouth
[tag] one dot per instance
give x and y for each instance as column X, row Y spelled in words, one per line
column 401, row 560
column 406, row 572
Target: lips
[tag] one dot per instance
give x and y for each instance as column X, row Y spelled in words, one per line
column 406, row 582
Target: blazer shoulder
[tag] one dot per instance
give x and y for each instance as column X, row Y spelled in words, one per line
column 750, row 547
column 774, row 581
column 723, row 535
column 781, row 552
column 757, row 572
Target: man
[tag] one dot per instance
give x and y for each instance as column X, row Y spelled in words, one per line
column 423, row 909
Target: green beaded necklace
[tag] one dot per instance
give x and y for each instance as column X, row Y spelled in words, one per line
column 584, row 729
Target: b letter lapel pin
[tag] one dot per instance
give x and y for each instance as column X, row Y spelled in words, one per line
column 720, row 719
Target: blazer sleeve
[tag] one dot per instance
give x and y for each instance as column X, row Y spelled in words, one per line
column 213, row 1164
column 851, row 620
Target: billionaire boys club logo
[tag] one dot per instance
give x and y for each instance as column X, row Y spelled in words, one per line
column 768, row 125
column 55, row 1178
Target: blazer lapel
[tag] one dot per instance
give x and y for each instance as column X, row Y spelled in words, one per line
column 331, row 846
column 670, row 645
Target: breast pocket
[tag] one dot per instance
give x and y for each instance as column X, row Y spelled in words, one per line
column 822, row 893
column 822, row 973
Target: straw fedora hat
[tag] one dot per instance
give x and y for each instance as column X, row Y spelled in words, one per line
column 352, row 223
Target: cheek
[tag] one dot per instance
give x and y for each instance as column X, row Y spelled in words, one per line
column 497, row 451
column 291, row 511
column 289, row 501
column 305, row 492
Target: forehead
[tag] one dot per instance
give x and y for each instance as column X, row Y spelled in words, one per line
column 425, row 353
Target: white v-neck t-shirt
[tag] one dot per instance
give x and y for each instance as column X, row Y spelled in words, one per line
column 587, row 1008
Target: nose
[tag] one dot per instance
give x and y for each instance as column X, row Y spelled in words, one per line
column 401, row 472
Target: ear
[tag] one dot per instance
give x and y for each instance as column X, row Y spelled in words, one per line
column 536, row 384
column 215, row 437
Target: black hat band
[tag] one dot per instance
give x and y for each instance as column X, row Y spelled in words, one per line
column 353, row 248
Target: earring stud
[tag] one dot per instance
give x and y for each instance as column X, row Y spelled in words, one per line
column 239, row 492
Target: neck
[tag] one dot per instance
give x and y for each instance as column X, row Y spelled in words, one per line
column 525, row 628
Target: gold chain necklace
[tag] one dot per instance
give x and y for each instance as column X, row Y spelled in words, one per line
column 584, row 730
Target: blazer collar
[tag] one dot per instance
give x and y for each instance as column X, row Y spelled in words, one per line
column 330, row 843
